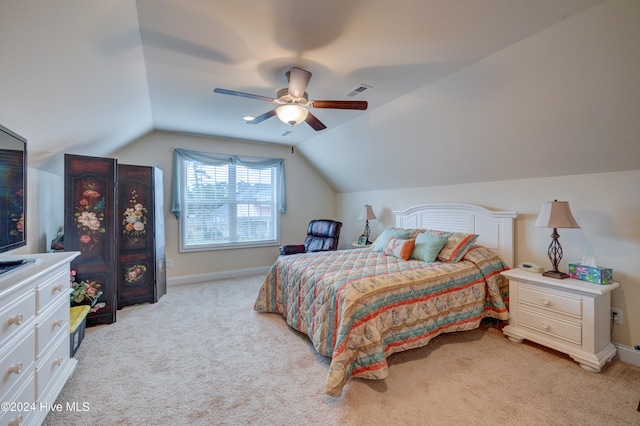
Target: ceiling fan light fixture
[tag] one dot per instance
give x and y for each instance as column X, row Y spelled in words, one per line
column 292, row 114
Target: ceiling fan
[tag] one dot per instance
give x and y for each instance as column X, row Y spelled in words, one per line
column 294, row 101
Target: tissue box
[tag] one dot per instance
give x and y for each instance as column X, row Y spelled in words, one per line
column 592, row 274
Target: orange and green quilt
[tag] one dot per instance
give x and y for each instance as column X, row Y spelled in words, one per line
column 358, row 306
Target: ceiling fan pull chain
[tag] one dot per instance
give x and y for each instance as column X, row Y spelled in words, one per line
column 292, row 138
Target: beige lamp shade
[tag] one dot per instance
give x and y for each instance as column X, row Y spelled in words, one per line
column 366, row 213
column 556, row 214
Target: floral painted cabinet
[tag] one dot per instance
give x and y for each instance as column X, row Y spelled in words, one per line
column 90, row 228
column 141, row 247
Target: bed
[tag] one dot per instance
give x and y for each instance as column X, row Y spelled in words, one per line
column 360, row 306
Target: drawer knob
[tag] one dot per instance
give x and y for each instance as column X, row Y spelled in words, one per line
column 545, row 325
column 58, row 287
column 15, row 422
column 58, row 361
column 58, row 323
column 546, row 302
column 17, row 320
column 15, row 369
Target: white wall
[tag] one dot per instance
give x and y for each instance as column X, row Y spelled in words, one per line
column 308, row 197
column 605, row 205
column 45, row 210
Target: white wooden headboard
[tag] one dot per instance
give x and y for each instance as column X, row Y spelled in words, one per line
column 495, row 228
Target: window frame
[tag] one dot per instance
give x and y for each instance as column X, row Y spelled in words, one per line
column 275, row 241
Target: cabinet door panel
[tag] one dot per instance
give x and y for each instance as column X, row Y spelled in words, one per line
column 141, row 217
column 90, row 185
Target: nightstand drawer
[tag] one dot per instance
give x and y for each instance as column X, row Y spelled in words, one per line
column 551, row 326
column 551, row 301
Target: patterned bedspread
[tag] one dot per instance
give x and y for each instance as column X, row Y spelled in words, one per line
column 358, row 306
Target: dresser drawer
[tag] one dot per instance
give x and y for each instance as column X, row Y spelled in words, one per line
column 552, row 301
column 22, row 405
column 550, row 326
column 17, row 315
column 50, row 326
column 17, row 363
column 49, row 290
column 47, row 369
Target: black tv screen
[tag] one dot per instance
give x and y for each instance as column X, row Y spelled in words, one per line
column 13, row 190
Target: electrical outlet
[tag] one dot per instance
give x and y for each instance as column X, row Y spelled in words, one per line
column 616, row 314
column 169, row 263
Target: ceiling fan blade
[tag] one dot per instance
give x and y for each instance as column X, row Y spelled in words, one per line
column 361, row 105
column 242, row 94
column 261, row 118
column 298, row 81
column 313, row 121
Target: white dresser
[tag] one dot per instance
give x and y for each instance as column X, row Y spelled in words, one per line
column 34, row 337
column 568, row 315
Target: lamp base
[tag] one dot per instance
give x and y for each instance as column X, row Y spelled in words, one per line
column 555, row 274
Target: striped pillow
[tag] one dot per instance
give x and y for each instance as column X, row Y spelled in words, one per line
column 401, row 249
column 458, row 244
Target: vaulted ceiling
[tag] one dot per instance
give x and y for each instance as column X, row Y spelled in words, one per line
column 89, row 77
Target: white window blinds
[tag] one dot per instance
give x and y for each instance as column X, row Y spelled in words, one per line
column 228, row 205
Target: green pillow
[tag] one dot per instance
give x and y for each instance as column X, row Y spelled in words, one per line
column 428, row 246
column 383, row 239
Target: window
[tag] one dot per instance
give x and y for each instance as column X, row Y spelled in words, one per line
column 229, row 203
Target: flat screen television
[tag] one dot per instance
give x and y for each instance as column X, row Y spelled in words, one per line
column 13, row 192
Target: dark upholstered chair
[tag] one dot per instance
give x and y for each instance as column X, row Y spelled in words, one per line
column 322, row 235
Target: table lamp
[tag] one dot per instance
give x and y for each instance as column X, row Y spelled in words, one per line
column 366, row 214
column 555, row 214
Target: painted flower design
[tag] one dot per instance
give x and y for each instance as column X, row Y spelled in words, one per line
column 90, row 215
column 135, row 273
column 85, row 292
column 134, row 220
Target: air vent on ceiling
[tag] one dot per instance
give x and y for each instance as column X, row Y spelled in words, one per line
column 358, row 90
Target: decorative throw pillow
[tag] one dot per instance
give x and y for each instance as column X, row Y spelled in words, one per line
column 427, row 246
column 401, row 249
column 456, row 247
column 383, row 239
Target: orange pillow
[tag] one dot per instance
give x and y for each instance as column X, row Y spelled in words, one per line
column 401, row 249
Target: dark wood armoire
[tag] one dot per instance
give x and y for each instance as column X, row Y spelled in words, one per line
column 114, row 217
column 90, row 228
column 141, row 245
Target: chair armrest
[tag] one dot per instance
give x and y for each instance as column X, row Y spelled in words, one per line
column 292, row 249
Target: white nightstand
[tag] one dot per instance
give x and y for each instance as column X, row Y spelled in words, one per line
column 356, row 245
column 568, row 315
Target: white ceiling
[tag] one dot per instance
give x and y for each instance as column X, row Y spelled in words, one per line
column 88, row 77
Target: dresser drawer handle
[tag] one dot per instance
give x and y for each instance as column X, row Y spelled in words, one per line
column 15, row 369
column 58, row 361
column 15, row 422
column 546, row 302
column 58, row 323
column 545, row 325
column 17, row 320
column 58, row 287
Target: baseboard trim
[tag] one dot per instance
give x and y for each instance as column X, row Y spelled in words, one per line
column 213, row 276
column 627, row 354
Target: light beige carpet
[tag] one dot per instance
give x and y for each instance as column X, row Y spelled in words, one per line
column 202, row 356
